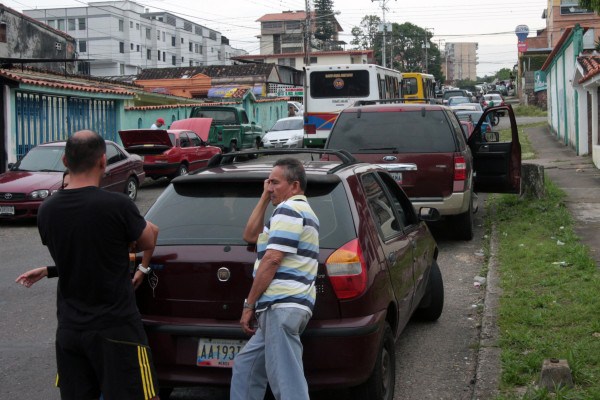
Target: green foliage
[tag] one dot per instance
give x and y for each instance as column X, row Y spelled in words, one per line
column 366, row 34
column 549, row 307
column 590, row 5
column 405, row 46
column 325, row 25
column 504, row 74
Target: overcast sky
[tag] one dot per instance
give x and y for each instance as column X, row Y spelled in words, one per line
column 491, row 23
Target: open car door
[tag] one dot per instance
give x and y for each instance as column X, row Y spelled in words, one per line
column 496, row 156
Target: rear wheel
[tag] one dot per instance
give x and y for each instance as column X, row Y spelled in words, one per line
column 182, row 170
column 431, row 305
column 131, row 189
column 495, row 119
column 380, row 385
column 463, row 223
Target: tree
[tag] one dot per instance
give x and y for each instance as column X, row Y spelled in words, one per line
column 405, row 46
column 593, row 5
column 366, row 34
column 503, row 74
column 325, row 24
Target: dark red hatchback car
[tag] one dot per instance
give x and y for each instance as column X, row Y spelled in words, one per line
column 39, row 174
column 377, row 267
column 170, row 153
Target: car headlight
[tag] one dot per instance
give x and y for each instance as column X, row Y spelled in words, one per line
column 39, row 194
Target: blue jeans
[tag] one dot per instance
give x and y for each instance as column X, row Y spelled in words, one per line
column 273, row 355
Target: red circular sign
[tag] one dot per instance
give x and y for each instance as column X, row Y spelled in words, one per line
column 522, row 46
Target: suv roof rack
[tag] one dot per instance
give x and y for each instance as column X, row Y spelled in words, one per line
column 394, row 101
column 229, row 158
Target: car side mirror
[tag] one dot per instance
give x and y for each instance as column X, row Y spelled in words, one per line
column 491, row 136
column 429, row 214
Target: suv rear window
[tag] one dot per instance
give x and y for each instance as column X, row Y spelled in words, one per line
column 186, row 213
column 404, row 132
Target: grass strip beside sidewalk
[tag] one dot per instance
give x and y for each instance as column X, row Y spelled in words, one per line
column 550, row 307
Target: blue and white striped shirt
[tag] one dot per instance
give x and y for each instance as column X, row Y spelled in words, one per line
column 294, row 230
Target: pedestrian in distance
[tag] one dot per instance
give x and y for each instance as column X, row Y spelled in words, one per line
column 291, row 111
column 282, row 296
column 101, row 346
column 158, row 124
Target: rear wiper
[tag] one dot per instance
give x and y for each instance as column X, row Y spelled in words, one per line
column 392, row 149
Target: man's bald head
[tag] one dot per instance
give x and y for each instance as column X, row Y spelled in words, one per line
column 83, row 151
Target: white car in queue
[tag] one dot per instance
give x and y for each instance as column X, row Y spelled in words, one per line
column 286, row 133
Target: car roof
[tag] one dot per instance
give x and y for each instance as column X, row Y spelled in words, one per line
column 290, row 118
column 224, row 168
column 62, row 143
column 403, row 107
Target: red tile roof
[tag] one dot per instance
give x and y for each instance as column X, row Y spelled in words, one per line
column 58, row 81
column 284, row 16
column 590, row 64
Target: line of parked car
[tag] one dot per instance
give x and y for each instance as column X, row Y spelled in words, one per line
column 400, row 167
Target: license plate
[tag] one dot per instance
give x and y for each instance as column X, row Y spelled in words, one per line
column 218, row 352
column 397, row 176
column 278, row 145
column 7, row 210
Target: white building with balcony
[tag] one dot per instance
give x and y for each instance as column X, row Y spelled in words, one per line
column 123, row 37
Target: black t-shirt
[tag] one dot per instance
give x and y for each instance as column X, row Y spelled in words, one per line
column 88, row 231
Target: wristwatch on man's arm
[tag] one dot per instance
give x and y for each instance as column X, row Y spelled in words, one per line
column 145, row 270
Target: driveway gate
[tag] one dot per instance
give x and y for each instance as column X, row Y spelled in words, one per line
column 41, row 118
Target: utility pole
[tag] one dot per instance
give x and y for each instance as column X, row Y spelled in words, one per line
column 426, row 47
column 307, row 32
column 383, row 9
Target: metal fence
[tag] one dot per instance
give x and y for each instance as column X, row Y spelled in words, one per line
column 41, row 118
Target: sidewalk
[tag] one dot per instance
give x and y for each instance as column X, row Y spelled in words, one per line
column 578, row 177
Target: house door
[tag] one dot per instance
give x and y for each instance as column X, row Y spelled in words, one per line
column 41, row 118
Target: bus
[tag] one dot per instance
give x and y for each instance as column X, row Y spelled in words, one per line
column 416, row 85
column 331, row 88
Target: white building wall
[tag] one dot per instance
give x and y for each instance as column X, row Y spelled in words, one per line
column 103, row 35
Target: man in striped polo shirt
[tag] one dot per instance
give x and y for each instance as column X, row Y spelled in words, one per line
column 283, row 292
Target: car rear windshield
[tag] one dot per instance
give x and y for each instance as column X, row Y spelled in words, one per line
column 207, row 214
column 225, row 117
column 403, row 132
column 327, row 84
column 288, row 125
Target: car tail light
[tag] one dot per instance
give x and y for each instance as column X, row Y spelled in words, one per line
column 460, row 168
column 347, row 271
column 160, row 158
column 310, row 129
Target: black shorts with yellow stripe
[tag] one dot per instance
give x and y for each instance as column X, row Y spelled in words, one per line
column 115, row 362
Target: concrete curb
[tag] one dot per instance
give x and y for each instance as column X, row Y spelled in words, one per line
column 488, row 370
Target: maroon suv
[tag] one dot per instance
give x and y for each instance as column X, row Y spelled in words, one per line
column 377, row 267
column 426, row 151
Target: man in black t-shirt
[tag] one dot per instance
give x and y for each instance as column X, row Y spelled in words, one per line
column 101, row 346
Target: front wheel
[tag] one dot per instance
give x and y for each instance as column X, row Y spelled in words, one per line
column 131, row 189
column 380, row 385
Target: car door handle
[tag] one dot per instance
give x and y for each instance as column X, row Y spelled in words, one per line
column 484, row 149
